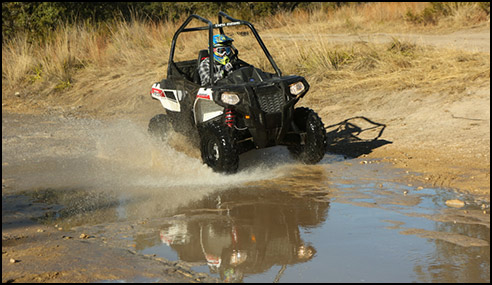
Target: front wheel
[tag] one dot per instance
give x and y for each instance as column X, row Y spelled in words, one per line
column 218, row 148
column 313, row 150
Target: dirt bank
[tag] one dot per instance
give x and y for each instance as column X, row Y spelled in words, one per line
column 446, row 138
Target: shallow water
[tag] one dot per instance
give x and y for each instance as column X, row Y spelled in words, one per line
column 342, row 220
column 325, row 225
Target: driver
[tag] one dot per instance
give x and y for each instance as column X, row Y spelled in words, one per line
column 222, row 47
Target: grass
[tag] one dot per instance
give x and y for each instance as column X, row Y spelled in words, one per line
column 300, row 49
column 393, row 66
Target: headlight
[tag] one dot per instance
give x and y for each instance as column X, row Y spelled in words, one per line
column 296, row 88
column 230, row 98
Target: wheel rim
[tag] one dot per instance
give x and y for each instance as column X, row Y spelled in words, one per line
column 213, row 151
column 216, row 151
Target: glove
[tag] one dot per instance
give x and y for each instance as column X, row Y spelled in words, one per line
column 228, row 67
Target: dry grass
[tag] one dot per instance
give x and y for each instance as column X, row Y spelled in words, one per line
column 351, row 18
column 17, row 60
column 391, row 69
column 382, row 16
column 83, row 47
column 298, row 47
column 388, row 67
column 464, row 14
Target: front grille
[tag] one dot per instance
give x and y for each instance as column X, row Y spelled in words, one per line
column 271, row 99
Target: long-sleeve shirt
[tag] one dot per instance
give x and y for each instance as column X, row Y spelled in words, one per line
column 204, row 72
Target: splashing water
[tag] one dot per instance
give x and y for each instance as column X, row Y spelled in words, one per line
column 143, row 161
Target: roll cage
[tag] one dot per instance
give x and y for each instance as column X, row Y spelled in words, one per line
column 210, row 27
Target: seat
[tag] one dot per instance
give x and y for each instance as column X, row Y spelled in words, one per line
column 201, row 56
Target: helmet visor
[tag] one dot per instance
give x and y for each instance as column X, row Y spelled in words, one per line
column 221, row 51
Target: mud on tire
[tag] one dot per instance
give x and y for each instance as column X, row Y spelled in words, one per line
column 218, row 148
column 314, row 149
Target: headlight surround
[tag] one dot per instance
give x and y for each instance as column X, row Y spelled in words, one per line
column 296, row 88
column 230, row 98
column 156, row 93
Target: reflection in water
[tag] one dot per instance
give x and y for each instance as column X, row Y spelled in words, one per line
column 244, row 231
column 260, row 228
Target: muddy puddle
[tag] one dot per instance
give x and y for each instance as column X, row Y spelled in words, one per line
column 343, row 220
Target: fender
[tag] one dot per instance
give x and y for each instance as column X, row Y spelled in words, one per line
column 204, row 107
column 205, row 93
column 169, row 98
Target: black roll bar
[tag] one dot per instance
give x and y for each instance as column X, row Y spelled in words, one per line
column 182, row 29
column 210, row 27
column 257, row 36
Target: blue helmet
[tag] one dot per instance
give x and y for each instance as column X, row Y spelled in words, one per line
column 222, row 48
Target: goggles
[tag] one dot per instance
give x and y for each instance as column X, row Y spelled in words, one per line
column 221, row 51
